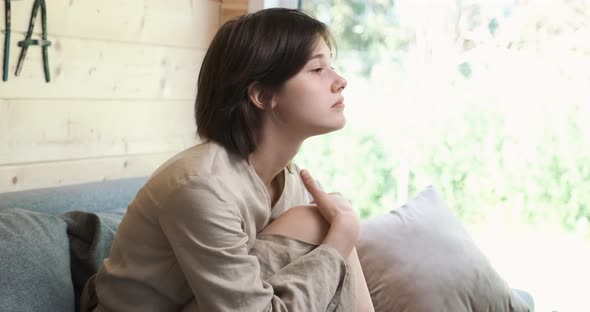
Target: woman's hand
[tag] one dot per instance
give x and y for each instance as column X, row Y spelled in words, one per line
column 331, row 205
column 344, row 223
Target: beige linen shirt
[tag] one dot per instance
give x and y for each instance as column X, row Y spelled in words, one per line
column 185, row 241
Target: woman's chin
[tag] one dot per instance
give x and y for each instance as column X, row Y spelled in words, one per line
column 335, row 126
column 341, row 125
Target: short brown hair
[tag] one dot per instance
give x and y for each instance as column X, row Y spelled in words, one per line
column 267, row 47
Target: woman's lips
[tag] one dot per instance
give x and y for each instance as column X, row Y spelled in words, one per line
column 338, row 104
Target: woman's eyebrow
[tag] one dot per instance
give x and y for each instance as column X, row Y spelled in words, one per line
column 319, row 55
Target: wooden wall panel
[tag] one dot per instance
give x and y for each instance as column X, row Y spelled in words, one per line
column 48, row 174
column 121, row 97
column 181, row 23
column 233, row 8
column 97, row 69
column 53, row 130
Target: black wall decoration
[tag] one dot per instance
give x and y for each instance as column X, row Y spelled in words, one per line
column 6, row 39
column 24, row 44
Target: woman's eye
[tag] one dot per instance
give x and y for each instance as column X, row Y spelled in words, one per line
column 318, row 70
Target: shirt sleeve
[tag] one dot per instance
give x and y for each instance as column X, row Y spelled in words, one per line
column 208, row 240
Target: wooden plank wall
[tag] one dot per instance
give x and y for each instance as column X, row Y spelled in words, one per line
column 233, row 8
column 121, row 97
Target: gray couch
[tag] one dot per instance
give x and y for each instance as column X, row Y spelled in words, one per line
column 52, row 240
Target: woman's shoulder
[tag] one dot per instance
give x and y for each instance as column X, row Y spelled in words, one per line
column 204, row 161
column 193, row 161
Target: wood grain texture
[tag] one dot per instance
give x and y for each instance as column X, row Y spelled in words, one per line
column 232, row 9
column 49, row 174
column 179, row 23
column 52, row 130
column 121, row 98
column 91, row 69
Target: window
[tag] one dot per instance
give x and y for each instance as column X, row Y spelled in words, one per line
column 487, row 101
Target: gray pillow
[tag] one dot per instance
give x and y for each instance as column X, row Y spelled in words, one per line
column 34, row 262
column 420, row 258
column 91, row 236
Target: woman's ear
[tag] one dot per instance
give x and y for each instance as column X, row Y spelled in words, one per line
column 258, row 97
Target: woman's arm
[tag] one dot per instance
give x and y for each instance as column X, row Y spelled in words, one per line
column 344, row 223
column 343, row 234
column 208, row 241
column 289, row 224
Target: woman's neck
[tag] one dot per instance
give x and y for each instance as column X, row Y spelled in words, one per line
column 273, row 153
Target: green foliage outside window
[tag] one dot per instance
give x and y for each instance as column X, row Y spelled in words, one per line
column 488, row 101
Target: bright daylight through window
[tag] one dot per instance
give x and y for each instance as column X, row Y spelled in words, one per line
column 488, row 102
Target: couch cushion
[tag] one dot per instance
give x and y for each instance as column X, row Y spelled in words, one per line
column 34, row 262
column 100, row 196
column 420, row 258
column 91, row 236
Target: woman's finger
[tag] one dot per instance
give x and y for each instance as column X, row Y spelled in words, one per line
column 311, row 186
column 338, row 194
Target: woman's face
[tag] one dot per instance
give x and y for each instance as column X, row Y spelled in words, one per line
column 311, row 102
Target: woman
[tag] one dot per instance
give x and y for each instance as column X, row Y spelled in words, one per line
column 226, row 225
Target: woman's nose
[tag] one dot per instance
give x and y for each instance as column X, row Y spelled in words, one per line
column 339, row 84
